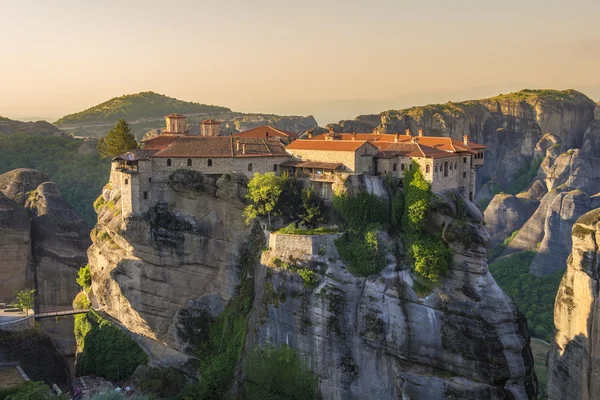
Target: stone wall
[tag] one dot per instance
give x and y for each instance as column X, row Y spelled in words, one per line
column 19, row 325
column 302, row 246
column 348, row 158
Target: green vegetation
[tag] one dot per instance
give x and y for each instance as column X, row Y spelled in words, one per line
column 533, row 295
column 119, row 140
column 430, row 255
column 499, row 249
column 106, row 350
column 29, row 391
column 362, row 251
column 25, row 300
column 278, row 374
column 81, row 301
column 570, row 95
column 524, row 176
column 292, row 230
column 310, row 278
column 137, row 106
column 263, row 193
column 313, row 208
column 84, row 277
column 163, row 383
column 79, row 176
column 357, row 212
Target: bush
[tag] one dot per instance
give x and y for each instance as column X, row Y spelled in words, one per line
column 81, row 301
column 533, row 295
column 357, row 212
column 431, row 258
column 361, row 251
column 29, row 391
column 311, row 278
column 292, row 230
column 417, row 195
column 106, row 350
column 312, row 211
column 277, row 373
column 84, row 277
column 160, row 382
column 397, row 210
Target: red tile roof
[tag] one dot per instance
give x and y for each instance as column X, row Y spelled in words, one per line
column 159, row 142
column 261, row 132
column 211, row 122
column 176, row 116
column 331, row 145
column 222, row 146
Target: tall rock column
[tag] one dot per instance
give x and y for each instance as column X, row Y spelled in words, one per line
column 574, row 361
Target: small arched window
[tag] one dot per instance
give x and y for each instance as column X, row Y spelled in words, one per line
column 450, row 165
column 168, row 162
column 394, row 167
column 428, row 169
column 275, row 167
column 126, row 181
column 250, row 167
column 455, row 165
column 209, row 162
column 446, row 168
column 401, row 167
column 189, row 162
column 410, row 167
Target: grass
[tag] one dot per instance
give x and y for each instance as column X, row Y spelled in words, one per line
column 292, row 230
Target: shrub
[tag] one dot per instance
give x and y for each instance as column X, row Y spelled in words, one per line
column 431, row 258
column 84, row 277
column 161, row 382
column 81, row 301
column 105, row 349
column 417, row 195
column 99, row 202
column 397, row 210
column 313, row 208
column 29, row 391
column 361, row 252
column 361, row 210
column 310, row 277
column 263, row 194
column 292, row 230
column 277, row 373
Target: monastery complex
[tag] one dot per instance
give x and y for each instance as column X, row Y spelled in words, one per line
column 445, row 162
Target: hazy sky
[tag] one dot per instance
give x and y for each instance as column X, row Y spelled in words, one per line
column 320, row 57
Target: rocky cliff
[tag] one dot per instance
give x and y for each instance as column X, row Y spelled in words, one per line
column 166, row 274
column 43, row 128
column 573, row 362
column 43, row 237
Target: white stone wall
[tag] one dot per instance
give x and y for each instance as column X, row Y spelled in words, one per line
column 345, row 157
column 283, row 246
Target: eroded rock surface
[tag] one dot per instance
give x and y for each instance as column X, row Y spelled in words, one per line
column 574, row 360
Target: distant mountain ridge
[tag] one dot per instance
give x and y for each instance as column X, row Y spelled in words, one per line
column 42, row 128
column 137, row 106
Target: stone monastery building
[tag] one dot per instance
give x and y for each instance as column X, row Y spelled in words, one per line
column 445, row 162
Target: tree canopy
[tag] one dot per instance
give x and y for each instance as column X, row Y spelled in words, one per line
column 118, row 140
column 263, row 192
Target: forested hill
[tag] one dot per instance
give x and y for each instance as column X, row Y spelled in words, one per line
column 137, row 106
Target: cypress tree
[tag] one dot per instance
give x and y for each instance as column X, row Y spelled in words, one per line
column 118, row 140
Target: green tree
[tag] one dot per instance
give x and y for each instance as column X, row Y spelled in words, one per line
column 84, row 278
column 263, row 192
column 118, row 140
column 432, row 258
column 313, row 208
column 417, row 195
column 26, row 300
column 291, row 192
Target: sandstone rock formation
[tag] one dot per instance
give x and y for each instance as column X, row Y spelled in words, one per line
column 381, row 338
column 507, row 213
column 44, row 238
column 15, row 248
column 573, row 362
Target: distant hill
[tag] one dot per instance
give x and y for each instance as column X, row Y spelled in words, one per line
column 42, row 128
column 133, row 107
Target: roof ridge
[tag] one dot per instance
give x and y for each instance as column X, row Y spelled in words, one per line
column 420, row 149
column 231, row 145
column 267, row 146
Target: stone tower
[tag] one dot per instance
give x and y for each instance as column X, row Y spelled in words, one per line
column 210, row 127
column 175, row 123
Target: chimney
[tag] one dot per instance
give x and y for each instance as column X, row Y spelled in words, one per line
column 243, row 148
column 237, row 144
column 331, row 131
column 375, row 131
column 421, row 132
column 466, row 139
column 353, row 136
column 397, row 138
column 413, row 139
column 407, row 131
column 309, row 134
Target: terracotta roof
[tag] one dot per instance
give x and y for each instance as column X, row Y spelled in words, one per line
column 332, row 145
column 210, row 122
column 412, row 150
column 361, row 136
column 137, row 154
column 261, row 132
column 159, row 142
column 222, row 146
column 176, row 116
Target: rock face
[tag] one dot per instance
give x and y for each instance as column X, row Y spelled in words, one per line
column 42, row 128
column 180, row 254
column 15, row 248
column 378, row 338
column 573, row 366
column 507, row 213
column 44, row 238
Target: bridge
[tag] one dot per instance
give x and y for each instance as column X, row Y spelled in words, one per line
column 59, row 312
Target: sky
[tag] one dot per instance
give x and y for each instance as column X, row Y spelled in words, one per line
column 331, row 59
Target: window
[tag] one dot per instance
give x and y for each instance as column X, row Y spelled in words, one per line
column 394, row 167
column 209, row 162
column 145, row 195
column 428, row 169
column 126, row 181
column 464, row 160
column 275, row 167
column 250, row 167
column 446, row 168
column 410, row 167
column 189, row 162
column 455, row 165
column 149, row 180
column 450, row 166
column 401, row 167
column 168, row 162
column 464, row 174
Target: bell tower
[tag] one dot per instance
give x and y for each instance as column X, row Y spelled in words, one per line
column 175, row 123
column 210, row 127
